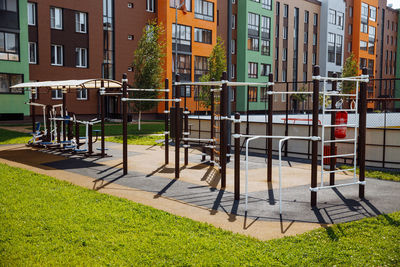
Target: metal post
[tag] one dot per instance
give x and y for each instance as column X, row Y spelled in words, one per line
column 177, row 127
column 77, row 137
column 314, row 144
column 333, row 145
column 212, row 124
column 33, row 115
column 287, row 119
column 223, row 134
column 58, row 124
column 64, row 111
column 363, row 128
column 237, row 157
column 186, row 130
column 125, row 123
column 90, row 140
column 102, row 111
column 166, row 127
column 48, row 135
column 270, row 118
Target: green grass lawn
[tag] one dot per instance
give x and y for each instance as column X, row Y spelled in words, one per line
column 387, row 175
column 12, row 137
column 49, row 222
column 149, row 140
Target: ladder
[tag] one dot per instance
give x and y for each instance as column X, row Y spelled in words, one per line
column 328, row 110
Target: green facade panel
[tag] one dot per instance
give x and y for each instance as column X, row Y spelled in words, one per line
column 14, row 103
column 244, row 56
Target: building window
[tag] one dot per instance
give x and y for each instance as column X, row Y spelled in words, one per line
column 315, row 19
column 285, row 33
column 265, row 47
column 283, row 75
column 304, row 76
column 56, row 18
column 202, row 36
column 372, row 13
column 265, row 69
column 252, row 94
column 314, row 39
column 306, row 37
column 204, row 10
column 233, row 22
column 363, row 63
column 184, row 67
column 56, row 94
column 266, row 4
column 150, row 5
column 183, row 36
column 284, row 54
column 363, row 45
column 80, row 22
column 252, row 70
column 31, row 14
column 32, row 53
column 9, row 46
column 8, row 80
column 371, row 40
column 233, row 47
column 351, row 12
column 339, row 19
column 314, row 58
column 332, row 17
column 233, row 71
column 253, row 32
column 265, row 28
column 339, row 48
column 176, row 3
column 81, row 94
column 285, row 11
column 371, row 67
column 81, row 57
column 305, row 57
column 364, row 18
column 350, row 28
column 349, row 46
column 57, row 57
column 8, row 5
column 306, row 16
column 200, row 67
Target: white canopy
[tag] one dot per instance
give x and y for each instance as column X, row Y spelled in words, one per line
column 88, row 84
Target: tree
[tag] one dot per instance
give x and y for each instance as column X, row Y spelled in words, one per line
column 350, row 69
column 148, row 66
column 216, row 66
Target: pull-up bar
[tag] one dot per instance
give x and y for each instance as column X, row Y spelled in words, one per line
column 147, row 90
column 149, row 99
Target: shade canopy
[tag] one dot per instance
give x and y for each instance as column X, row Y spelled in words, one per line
column 88, row 84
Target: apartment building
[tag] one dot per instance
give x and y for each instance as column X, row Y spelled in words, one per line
column 332, row 37
column 297, row 42
column 14, row 67
column 386, row 51
column 254, row 45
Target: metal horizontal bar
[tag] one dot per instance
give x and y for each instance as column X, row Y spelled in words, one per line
column 198, row 139
column 336, row 110
column 148, row 90
column 340, row 140
column 338, row 94
column 340, row 125
column 248, row 84
column 362, row 78
column 315, row 189
column 289, row 93
column 338, row 156
column 340, row 170
column 155, row 99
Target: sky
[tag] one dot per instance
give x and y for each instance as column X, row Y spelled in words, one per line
column 396, row 3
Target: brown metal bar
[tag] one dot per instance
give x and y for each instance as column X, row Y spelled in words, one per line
column 332, row 162
column 223, row 133
column 237, row 157
column 166, row 127
column 58, row 125
column 314, row 132
column 125, row 124
column 64, row 109
column 102, row 111
column 48, row 135
column 177, row 128
column 363, row 128
column 77, row 137
column 90, row 140
column 212, row 99
column 287, row 120
column 186, row 116
column 269, row 132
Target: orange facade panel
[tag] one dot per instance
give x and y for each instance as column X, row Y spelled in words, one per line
column 167, row 16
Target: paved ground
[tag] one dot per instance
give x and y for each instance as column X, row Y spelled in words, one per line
column 196, row 195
